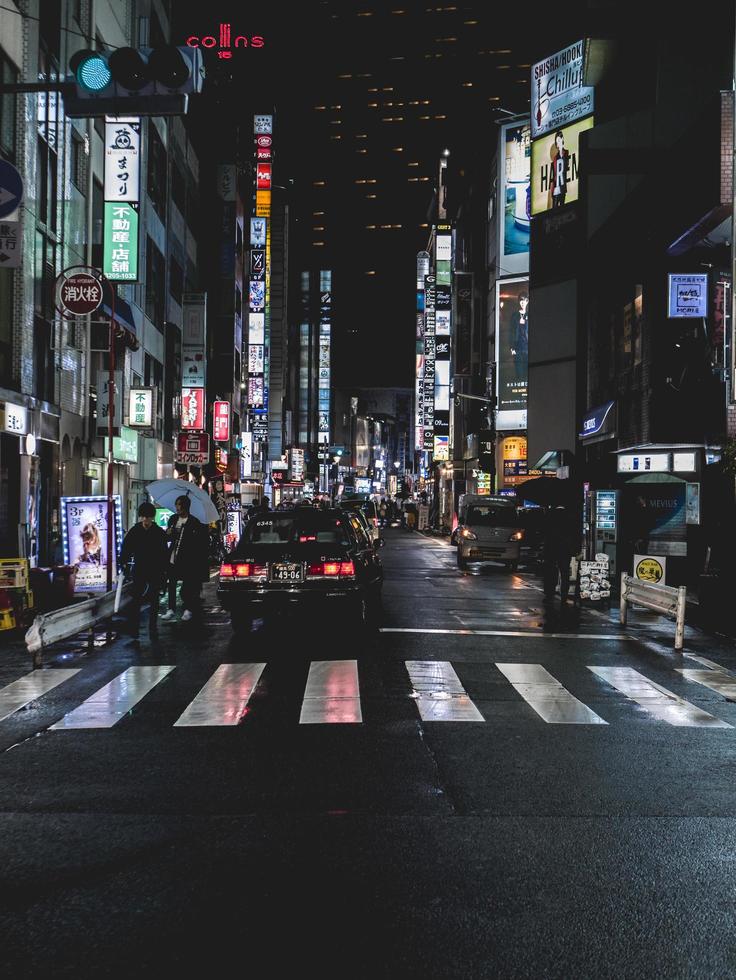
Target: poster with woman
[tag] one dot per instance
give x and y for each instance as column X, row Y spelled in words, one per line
column 84, row 533
column 512, row 352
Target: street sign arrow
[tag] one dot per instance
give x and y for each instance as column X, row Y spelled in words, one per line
column 11, row 189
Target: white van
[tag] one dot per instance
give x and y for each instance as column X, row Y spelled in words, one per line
column 489, row 530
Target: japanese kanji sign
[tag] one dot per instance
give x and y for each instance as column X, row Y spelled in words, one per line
column 122, row 159
column 141, row 407
column 79, row 294
column 120, row 263
column 221, row 421
column 10, row 244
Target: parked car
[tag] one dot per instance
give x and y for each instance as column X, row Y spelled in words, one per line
column 488, row 530
column 306, row 559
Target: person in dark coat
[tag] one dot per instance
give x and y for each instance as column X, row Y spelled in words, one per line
column 188, row 560
column 560, row 544
column 145, row 545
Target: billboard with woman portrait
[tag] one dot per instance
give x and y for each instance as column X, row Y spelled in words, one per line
column 84, row 536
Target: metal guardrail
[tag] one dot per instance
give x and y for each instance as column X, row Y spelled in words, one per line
column 59, row 624
column 663, row 599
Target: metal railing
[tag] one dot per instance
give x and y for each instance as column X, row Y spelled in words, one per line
column 663, row 599
column 60, row 624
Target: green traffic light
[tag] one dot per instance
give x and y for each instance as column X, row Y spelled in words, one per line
column 93, row 73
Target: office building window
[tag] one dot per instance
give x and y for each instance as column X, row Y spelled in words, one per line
column 155, row 285
column 156, row 172
column 8, row 109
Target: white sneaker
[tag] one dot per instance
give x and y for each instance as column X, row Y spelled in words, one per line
column 186, row 615
column 168, row 616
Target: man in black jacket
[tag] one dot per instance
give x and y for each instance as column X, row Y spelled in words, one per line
column 145, row 545
column 188, row 560
column 561, row 542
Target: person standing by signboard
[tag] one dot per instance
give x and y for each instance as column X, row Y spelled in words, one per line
column 145, row 545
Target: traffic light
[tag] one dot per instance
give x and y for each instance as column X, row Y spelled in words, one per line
column 134, row 81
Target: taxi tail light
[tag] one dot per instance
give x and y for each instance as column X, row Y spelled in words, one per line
column 331, row 569
column 248, row 570
column 227, row 570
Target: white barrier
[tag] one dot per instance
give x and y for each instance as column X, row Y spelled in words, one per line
column 59, row 624
column 663, row 599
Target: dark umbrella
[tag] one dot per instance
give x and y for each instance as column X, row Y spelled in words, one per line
column 547, row 491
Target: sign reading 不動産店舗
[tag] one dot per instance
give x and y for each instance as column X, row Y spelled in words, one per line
column 558, row 94
column 120, row 245
column 687, row 295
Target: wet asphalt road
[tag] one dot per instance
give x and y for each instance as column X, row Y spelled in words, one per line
column 522, row 843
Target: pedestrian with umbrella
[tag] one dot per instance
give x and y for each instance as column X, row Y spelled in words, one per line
column 188, row 538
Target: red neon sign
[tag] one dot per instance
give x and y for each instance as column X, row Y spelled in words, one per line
column 225, row 41
column 192, row 408
column 221, row 421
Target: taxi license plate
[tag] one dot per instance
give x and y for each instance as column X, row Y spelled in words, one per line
column 286, row 573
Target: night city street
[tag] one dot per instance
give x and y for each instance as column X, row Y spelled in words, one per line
column 367, row 490
column 446, row 830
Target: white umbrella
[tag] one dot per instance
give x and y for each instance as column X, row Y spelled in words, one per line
column 165, row 492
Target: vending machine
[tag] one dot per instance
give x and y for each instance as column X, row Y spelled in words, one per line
column 605, row 518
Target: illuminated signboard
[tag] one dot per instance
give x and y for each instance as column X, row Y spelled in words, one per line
column 192, row 408
column 515, row 207
column 512, row 352
column 558, row 94
column 120, row 242
column 556, row 167
column 122, row 159
column 221, row 421
column 687, row 295
column 141, row 410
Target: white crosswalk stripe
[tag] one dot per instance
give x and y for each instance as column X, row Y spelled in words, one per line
column 19, row 693
column 224, row 698
column 332, row 694
column 658, row 701
column 552, row 702
column 438, row 693
column 717, row 680
column 108, row 705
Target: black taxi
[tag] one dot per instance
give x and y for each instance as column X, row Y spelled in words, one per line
column 300, row 558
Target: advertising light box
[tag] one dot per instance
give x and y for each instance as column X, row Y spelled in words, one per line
column 687, row 295
column 644, row 463
column 120, row 243
column 515, row 203
column 558, row 94
column 512, row 352
column 556, row 167
column 84, row 538
column 192, row 408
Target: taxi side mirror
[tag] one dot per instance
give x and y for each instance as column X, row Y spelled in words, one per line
column 381, row 542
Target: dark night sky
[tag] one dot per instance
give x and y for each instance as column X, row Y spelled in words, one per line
column 399, row 82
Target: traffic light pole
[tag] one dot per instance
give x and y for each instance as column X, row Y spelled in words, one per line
column 110, row 413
